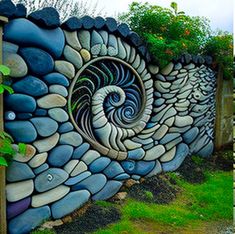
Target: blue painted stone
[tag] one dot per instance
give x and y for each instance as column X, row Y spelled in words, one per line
column 21, row 131
column 93, row 183
column 20, row 102
column 47, row 17
column 110, row 189
column 24, row 115
column 65, row 127
column 87, row 22
column 56, row 78
column 182, row 150
column 69, row 203
column 23, row 32
column 159, row 101
column 99, row 22
column 169, row 137
column 99, row 164
column 111, row 24
column 40, row 169
column 60, row 155
column 123, row 176
column 135, row 38
column 39, row 61
column 136, row 154
column 16, row 208
column 207, row 150
column 7, row 8
column 40, row 112
column 72, row 24
column 143, row 50
column 190, row 135
column 78, row 178
column 113, row 170
column 9, row 48
column 30, row 219
column 80, row 151
column 20, row 12
column 49, row 179
column 45, row 126
column 135, row 177
column 123, row 29
column 19, row 171
column 128, row 166
column 31, row 85
column 143, row 168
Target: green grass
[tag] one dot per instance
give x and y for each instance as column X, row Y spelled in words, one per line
column 208, row 202
column 45, row 231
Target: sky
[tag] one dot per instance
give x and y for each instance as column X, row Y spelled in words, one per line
column 219, row 12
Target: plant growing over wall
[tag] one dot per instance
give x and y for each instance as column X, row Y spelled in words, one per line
column 6, row 150
column 168, row 32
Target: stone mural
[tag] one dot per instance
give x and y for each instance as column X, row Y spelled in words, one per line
column 94, row 112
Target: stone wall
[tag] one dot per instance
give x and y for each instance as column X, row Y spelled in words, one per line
column 94, row 112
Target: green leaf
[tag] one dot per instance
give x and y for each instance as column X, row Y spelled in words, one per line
column 22, row 148
column 3, row 162
column 5, row 70
column 174, row 6
column 8, row 88
column 1, row 89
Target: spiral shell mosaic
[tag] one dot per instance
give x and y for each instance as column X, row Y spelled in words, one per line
column 94, row 112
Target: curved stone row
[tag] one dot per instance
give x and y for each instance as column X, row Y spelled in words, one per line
column 166, row 115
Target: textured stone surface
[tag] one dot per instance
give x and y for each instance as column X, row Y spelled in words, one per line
column 39, row 62
column 45, row 126
column 31, row 85
column 72, row 24
column 7, row 8
column 113, row 170
column 24, row 32
column 30, row 152
column 99, row 164
column 38, row 160
column 21, row 131
column 51, row 100
column 78, row 178
column 71, row 138
column 60, row 155
column 19, row 190
column 59, row 89
column 81, row 150
column 49, row 179
column 73, row 56
column 58, row 114
column 16, row 63
column 65, row 127
column 30, row 219
column 56, row 78
column 65, row 68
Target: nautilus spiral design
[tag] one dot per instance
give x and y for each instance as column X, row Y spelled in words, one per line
column 94, row 111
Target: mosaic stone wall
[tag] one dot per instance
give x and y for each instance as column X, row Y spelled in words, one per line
column 94, row 112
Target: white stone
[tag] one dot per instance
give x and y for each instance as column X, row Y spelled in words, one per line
column 73, row 56
column 169, row 155
column 80, row 167
column 59, row 89
column 72, row 39
column 51, row 101
column 183, row 121
column 167, row 70
column 70, row 166
column 154, row 153
column 38, row 160
column 153, row 69
column 65, row 68
column 90, row 156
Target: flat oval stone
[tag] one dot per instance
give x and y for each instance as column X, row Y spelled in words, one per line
column 58, row 114
column 38, row 160
column 70, row 166
column 31, row 85
column 40, row 169
column 24, row 32
column 93, row 183
column 80, row 167
column 30, row 152
column 72, row 24
column 49, row 179
column 65, row 127
column 59, row 89
column 78, row 178
column 19, row 171
column 99, row 164
column 110, row 189
column 45, row 126
column 69, row 203
column 47, row 143
column 16, row 63
column 60, row 155
column 56, row 78
column 24, row 116
column 113, row 170
column 65, row 68
column 71, row 138
column 190, row 135
column 19, row 190
column 143, row 168
column 40, row 112
column 182, row 121
column 9, row 47
column 49, row 196
column 80, row 151
column 39, row 62
column 21, row 131
column 16, row 208
column 73, row 56
column 51, row 101
column 90, row 156
column 30, row 219
column 20, row 102
column 136, row 154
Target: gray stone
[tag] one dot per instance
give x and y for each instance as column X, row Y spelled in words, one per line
column 49, row 179
column 84, row 38
column 19, row 190
column 58, row 114
column 110, row 189
column 169, row 155
column 113, row 170
column 99, row 164
column 80, row 167
column 65, row 68
column 65, row 127
column 9, row 47
column 167, row 70
column 73, row 56
column 72, row 39
column 69, row 203
column 78, row 178
column 70, row 166
column 154, row 153
column 38, row 160
column 93, row 183
column 59, row 89
column 51, row 101
column 80, row 151
column 16, row 63
column 71, row 138
column 40, row 169
column 90, row 156
column 45, row 126
column 190, row 135
column 183, row 121
column 50, row 196
column 60, row 155
column 47, row 143
column 19, row 171
column 29, row 220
